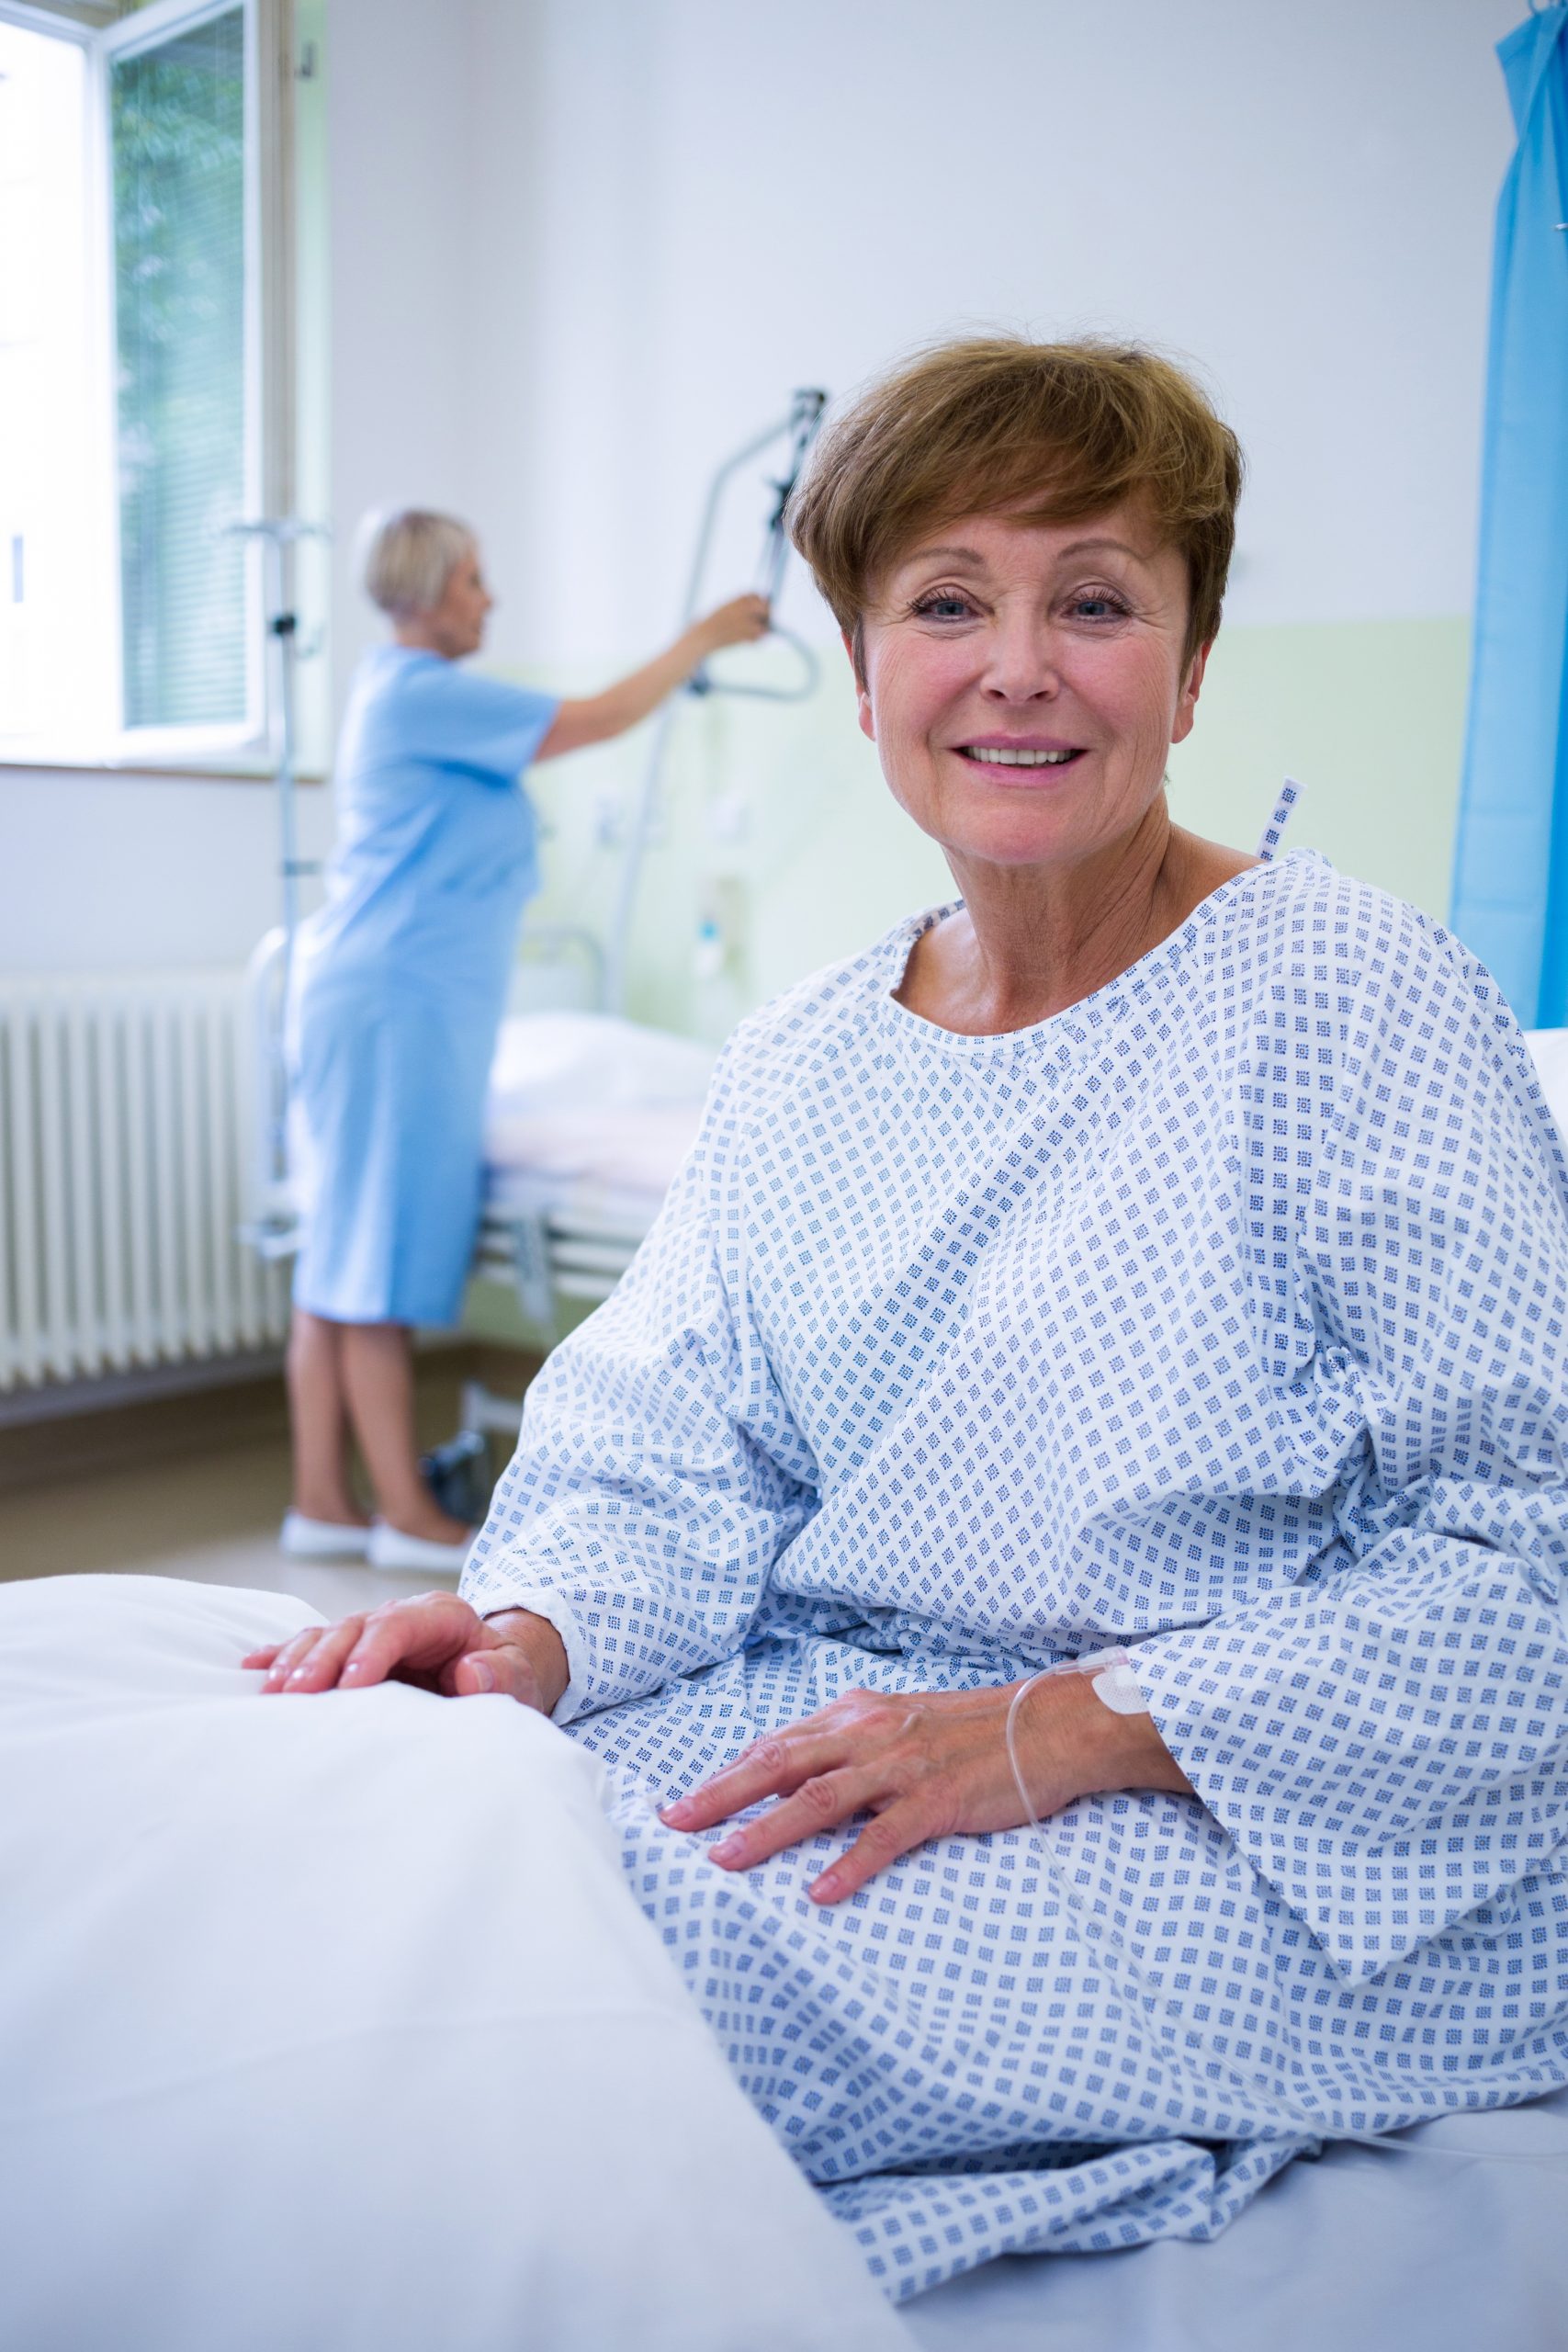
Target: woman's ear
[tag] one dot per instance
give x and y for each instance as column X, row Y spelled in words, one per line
column 854, row 646
column 1187, row 704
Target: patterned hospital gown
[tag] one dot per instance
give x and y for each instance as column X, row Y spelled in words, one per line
column 1222, row 1316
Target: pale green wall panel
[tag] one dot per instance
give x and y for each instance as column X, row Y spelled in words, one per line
column 1368, row 715
column 783, row 805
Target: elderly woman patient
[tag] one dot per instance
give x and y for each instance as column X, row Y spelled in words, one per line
column 1154, row 1252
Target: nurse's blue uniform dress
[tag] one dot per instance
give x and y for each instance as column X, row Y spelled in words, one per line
column 401, row 981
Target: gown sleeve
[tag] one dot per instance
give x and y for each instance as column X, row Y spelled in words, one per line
column 1387, row 1739
column 658, row 1473
column 448, row 714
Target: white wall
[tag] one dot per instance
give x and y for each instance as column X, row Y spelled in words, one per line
column 111, row 873
column 682, row 210
column 401, row 231
column 579, row 248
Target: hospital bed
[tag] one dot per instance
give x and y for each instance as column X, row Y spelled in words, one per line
column 1455, row 2243
column 307, row 2134
column 589, row 1117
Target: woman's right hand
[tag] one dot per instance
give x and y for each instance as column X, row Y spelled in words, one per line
column 740, row 622
column 434, row 1640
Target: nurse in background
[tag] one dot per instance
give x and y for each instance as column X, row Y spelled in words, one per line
column 402, row 982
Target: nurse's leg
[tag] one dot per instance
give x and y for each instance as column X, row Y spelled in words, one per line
column 377, row 1377
column 318, row 1416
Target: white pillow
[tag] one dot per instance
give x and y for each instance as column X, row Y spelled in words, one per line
column 332, row 2023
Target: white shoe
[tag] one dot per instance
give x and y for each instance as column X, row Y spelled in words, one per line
column 396, row 1554
column 322, row 1539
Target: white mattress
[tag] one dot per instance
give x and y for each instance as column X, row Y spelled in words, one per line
column 1363, row 2251
column 589, row 1115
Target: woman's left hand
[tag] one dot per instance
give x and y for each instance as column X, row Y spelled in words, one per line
column 924, row 1765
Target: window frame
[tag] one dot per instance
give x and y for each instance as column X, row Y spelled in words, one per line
column 107, row 35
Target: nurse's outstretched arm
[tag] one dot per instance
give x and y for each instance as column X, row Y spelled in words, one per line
column 594, row 718
column 434, row 1640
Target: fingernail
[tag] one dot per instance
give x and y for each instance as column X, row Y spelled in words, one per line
column 823, row 1889
column 729, row 1850
column 482, row 1674
column 676, row 1809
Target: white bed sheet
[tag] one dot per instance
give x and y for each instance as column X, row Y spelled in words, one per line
column 590, row 1117
column 331, row 2025
column 1362, row 2251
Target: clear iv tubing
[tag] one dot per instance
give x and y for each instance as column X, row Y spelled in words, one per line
column 1100, row 1664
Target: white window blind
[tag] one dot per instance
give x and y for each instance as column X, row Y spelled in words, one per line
column 177, row 124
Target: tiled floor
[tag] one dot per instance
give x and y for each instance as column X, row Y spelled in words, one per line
column 212, row 1517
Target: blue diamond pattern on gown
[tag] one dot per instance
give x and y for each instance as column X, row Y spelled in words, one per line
column 1224, row 1317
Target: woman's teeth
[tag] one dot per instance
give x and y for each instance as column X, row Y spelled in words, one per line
column 996, row 757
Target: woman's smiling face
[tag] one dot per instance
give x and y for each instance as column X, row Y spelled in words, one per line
column 1024, row 681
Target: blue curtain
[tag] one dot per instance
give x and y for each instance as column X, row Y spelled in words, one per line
column 1510, row 897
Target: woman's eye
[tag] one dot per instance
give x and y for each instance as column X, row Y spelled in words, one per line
column 943, row 605
column 1099, row 608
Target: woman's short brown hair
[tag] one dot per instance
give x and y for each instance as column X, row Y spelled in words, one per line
column 1048, row 432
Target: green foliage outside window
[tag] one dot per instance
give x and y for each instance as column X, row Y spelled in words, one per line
column 177, row 124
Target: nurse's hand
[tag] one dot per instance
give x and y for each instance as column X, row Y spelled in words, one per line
column 740, row 622
column 583, row 719
column 435, row 1641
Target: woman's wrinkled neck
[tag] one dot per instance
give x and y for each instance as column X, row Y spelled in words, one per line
column 1030, row 940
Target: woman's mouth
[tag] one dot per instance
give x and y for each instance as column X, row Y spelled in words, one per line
column 1020, row 755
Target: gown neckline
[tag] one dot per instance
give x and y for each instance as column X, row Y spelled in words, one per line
column 1075, row 1021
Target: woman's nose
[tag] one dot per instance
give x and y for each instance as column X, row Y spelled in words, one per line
column 1023, row 664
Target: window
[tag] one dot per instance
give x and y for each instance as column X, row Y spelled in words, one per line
column 133, row 427
column 177, row 114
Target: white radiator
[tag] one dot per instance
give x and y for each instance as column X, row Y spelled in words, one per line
column 126, row 1110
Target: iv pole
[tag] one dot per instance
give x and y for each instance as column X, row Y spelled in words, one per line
column 272, row 965
column 801, row 424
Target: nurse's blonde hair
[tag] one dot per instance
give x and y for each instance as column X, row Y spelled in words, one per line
column 408, row 553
